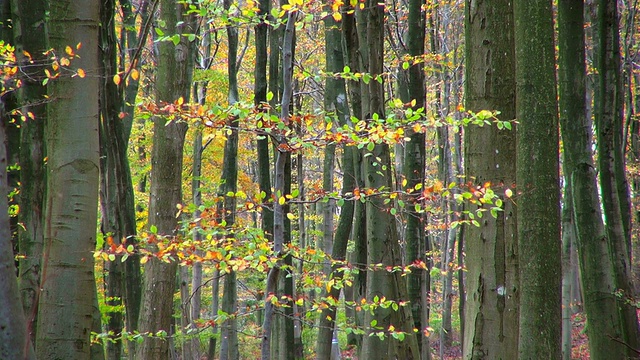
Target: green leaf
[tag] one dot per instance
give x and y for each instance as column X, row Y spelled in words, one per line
column 394, row 211
column 340, row 202
column 405, row 65
column 153, row 229
column 371, row 146
column 269, row 96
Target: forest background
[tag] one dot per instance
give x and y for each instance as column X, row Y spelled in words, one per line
column 305, row 179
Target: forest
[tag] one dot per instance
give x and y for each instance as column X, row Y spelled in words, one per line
column 361, row 179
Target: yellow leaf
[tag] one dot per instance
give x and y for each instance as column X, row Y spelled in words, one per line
column 144, row 260
column 64, row 61
column 68, row 50
column 78, row 46
column 81, row 73
column 290, row 216
column 135, row 75
column 508, row 193
column 281, row 200
column 180, row 101
column 116, row 79
column 337, row 16
column 329, row 125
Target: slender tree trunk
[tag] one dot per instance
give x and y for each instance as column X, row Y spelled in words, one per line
column 611, row 166
column 358, row 257
column 416, row 245
column 337, row 107
column 568, row 233
column 15, row 342
column 382, row 236
column 491, row 307
column 30, row 34
column 229, row 178
column 279, row 187
column 537, row 182
column 173, row 79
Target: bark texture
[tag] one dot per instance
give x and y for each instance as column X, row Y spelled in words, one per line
column 491, row 312
column 537, row 182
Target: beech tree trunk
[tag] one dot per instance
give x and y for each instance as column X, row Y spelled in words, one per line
column 537, row 182
column 491, row 312
column 31, row 35
column 173, row 81
column 68, row 282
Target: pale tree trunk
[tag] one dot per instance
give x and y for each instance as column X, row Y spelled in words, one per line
column 68, row 284
column 30, row 35
column 611, row 165
column 537, row 182
column 491, row 307
column 382, row 236
column 173, row 82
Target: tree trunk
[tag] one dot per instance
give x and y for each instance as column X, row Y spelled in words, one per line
column 382, row 237
column 173, row 80
column 595, row 264
column 491, row 307
column 537, row 182
column 336, row 107
column 68, row 283
column 31, row 35
column 611, row 165
column 358, row 257
column 15, row 342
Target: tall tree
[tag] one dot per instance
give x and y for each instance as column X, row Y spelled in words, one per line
column 336, row 106
column 614, row 187
column 383, row 247
column 30, row 34
column 491, row 313
column 68, row 284
column 596, row 265
column 416, row 244
column 229, row 184
column 282, row 153
column 537, row 181
column 173, row 81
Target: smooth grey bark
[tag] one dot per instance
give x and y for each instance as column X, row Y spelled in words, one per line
column 68, row 283
column 537, row 182
column 491, row 306
column 30, row 34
